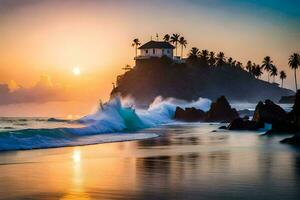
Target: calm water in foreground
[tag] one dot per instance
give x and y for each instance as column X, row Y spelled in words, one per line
column 188, row 161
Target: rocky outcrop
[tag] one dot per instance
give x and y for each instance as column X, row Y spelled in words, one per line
column 265, row 112
column 294, row 117
column 159, row 77
column 221, row 111
column 287, row 99
column 189, row 114
column 245, row 124
column 295, row 140
column 271, row 113
column 295, row 113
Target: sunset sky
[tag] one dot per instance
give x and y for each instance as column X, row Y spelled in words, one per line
column 60, row 57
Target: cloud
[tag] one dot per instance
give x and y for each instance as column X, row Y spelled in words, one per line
column 43, row 91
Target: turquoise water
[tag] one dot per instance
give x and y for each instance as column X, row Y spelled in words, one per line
column 110, row 123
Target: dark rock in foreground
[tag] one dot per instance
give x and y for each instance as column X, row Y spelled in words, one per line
column 271, row 113
column 294, row 117
column 221, row 111
column 223, row 127
column 287, row 99
column 245, row 124
column 189, row 114
column 295, row 140
column 295, row 113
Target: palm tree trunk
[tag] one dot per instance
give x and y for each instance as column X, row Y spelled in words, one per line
column 181, row 51
column 176, row 49
column 295, row 73
column 269, row 77
column 282, row 82
column 136, row 51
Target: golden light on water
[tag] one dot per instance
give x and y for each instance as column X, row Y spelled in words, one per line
column 77, row 190
column 76, row 156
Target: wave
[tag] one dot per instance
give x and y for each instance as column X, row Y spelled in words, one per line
column 116, row 116
column 51, row 138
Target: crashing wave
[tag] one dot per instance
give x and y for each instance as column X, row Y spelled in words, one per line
column 115, row 116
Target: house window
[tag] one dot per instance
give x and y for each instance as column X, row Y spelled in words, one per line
column 168, row 51
column 153, row 51
column 146, row 51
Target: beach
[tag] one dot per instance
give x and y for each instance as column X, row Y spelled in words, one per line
column 187, row 161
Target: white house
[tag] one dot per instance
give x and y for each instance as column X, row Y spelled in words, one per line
column 155, row 49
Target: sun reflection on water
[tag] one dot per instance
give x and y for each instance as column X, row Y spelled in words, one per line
column 77, row 190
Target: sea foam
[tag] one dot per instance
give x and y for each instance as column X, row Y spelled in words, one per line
column 116, row 120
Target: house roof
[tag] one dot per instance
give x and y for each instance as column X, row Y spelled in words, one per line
column 157, row 45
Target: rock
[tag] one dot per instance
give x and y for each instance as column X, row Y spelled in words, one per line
column 189, row 114
column 295, row 140
column 223, row 127
column 294, row 117
column 221, row 111
column 245, row 124
column 272, row 113
column 287, row 99
column 295, row 113
column 269, row 112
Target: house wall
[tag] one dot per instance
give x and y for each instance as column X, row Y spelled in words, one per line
column 157, row 52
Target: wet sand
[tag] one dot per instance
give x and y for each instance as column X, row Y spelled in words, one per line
column 186, row 162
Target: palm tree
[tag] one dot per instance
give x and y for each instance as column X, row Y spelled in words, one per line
column 166, row 38
column 182, row 43
column 274, row 72
column 194, row 54
column 294, row 63
column 229, row 61
column 282, row 76
column 211, row 59
column 220, row 59
column 204, row 56
column 175, row 40
column 239, row 65
column 252, row 68
column 249, row 66
column 267, row 65
column 136, row 43
column 256, row 70
column 234, row 63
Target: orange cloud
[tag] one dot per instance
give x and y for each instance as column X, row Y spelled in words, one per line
column 43, row 91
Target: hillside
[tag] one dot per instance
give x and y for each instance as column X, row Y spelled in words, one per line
column 161, row 77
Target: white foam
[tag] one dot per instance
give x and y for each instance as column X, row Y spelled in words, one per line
column 113, row 117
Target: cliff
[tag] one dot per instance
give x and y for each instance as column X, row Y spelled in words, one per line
column 161, row 77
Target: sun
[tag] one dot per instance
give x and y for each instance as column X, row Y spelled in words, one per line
column 76, row 71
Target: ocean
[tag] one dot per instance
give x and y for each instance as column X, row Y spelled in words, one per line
column 143, row 154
